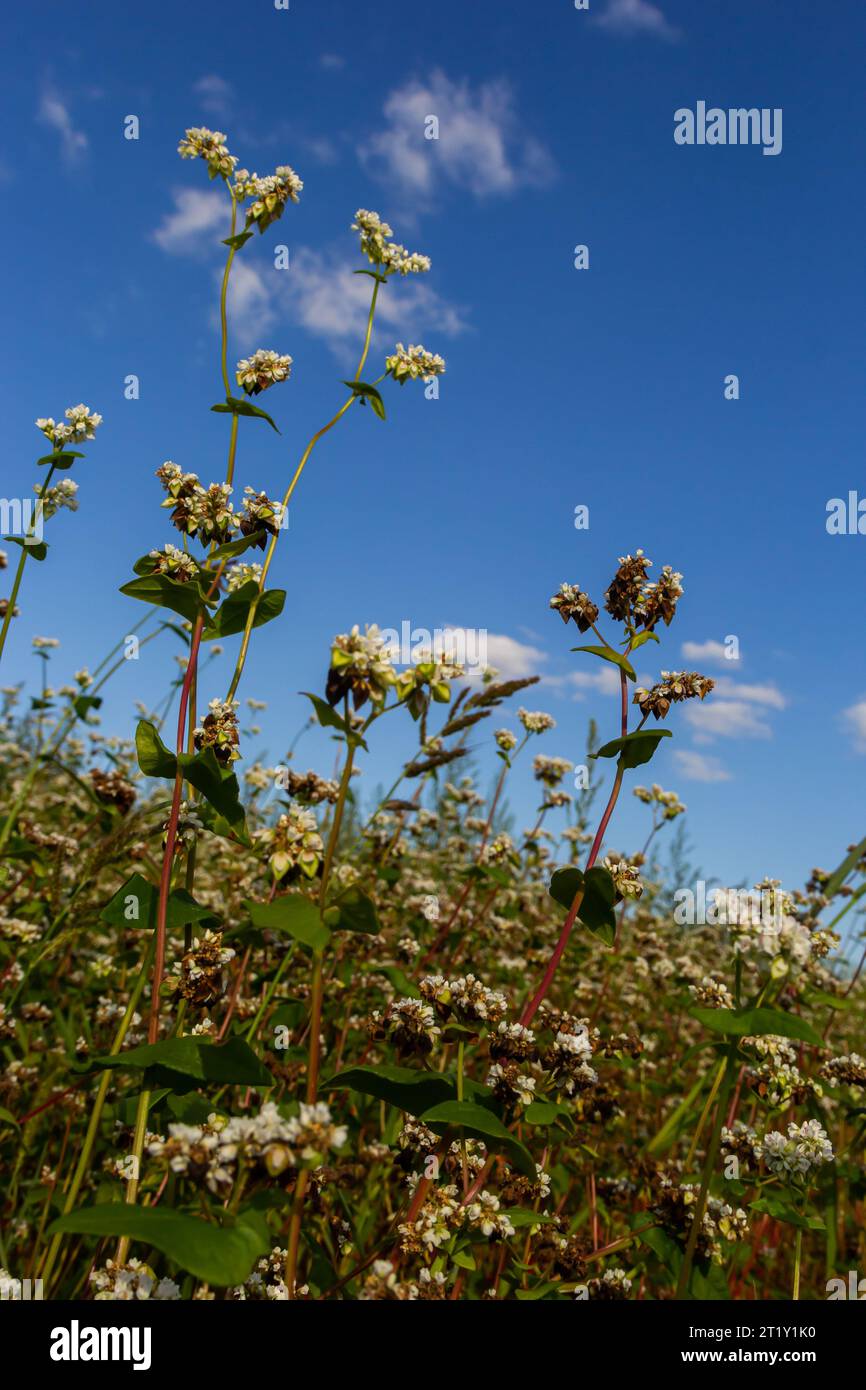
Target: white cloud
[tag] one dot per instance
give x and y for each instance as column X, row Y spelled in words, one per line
column 709, row 651
column 512, row 659
column 604, row 680
column 329, row 300
column 332, row 62
column 214, row 93
column 725, row 719
column 632, row 17
column 855, row 720
column 482, row 145
column 53, row 113
column 766, row 694
column 250, row 302
column 196, row 212
column 698, row 768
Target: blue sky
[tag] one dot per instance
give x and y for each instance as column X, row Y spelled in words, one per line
column 602, row 387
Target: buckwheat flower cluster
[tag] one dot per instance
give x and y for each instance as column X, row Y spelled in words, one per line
column 465, row 998
column 62, row 494
column 626, row 876
column 500, row 850
column 266, row 1281
column 377, row 246
column 219, row 731
column 805, row 1148
column 382, row 1284
column 673, row 687
column 613, row 1284
column 713, row 994
column 505, row 740
column 210, row 145
column 264, row 369
column 535, row 722
column 201, row 978
column 129, row 1282
column 293, row 846
column 784, row 1085
column 434, row 671
column 571, row 603
column 239, row 574
column 623, row 597
column 409, row 1024
column 847, row 1071
column 361, row 666
column 310, row 788
column 260, row 514
column 410, row 363
column 550, row 771
column 668, row 802
column 658, row 602
column 270, row 194
column 81, row 425
column 568, row 1059
column 739, row 1142
column 175, row 563
column 511, row 1085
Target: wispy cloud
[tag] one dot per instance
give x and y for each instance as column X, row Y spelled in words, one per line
column 482, row 145
column 766, row 694
column 54, row 113
column 250, row 302
column 854, row 718
column 709, row 651
column 214, row 93
column 726, row 719
column 697, row 767
column 604, row 680
column 332, row 62
column 324, row 296
column 634, row 17
column 196, row 212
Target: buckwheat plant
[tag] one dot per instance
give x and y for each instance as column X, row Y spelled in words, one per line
column 269, row 1034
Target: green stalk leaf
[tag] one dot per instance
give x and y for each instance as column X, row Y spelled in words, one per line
column 635, row 749
column 608, row 654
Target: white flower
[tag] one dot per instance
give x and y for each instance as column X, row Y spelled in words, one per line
column 807, row 1146
column 414, row 361
column 265, row 368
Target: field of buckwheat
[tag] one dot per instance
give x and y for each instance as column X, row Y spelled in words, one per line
column 262, row 1041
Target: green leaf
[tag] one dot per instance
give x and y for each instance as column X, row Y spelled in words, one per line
column 185, row 599
column 781, row 1210
column 642, row 637
column 481, row 1123
column 217, row 784
column 34, row 552
column 399, row 979
column 140, row 898
column 221, row 1255
column 237, row 241
column 235, row 406
column 7, row 1118
column 608, row 654
column 357, row 912
column 195, row 1059
column 232, row 614
column 295, row 915
column 596, row 908
column 635, row 749
column 326, row 715
column 154, row 758
column 547, row 1112
column 232, row 548
column 408, row 1090
column 83, row 704
column 741, row 1023
column 61, row 458
column 367, row 393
